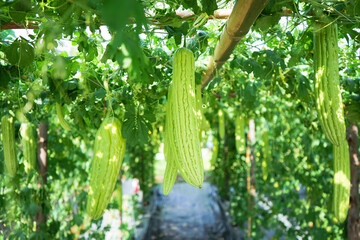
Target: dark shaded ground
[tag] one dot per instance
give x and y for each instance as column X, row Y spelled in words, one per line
column 188, row 213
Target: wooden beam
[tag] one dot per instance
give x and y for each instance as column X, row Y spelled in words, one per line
column 218, row 14
column 243, row 16
column 12, row 25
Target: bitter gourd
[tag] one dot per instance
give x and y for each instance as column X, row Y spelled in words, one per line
column 109, row 149
column 341, row 195
column 8, row 138
column 170, row 169
column 327, row 86
column 61, row 118
column 185, row 130
column 28, row 141
column 240, row 134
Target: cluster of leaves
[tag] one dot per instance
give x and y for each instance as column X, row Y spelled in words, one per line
column 129, row 78
column 271, row 82
column 299, row 185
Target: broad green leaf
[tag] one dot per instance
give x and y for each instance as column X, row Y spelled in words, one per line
column 20, row 53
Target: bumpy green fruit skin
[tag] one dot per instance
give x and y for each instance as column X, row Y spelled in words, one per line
column 203, row 124
column 8, row 138
column 331, row 112
column 170, row 169
column 215, row 151
column 28, row 141
column 109, row 149
column 341, row 181
column 185, row 130
column 60, row 116
column 221, row 124
column 266, row 154
column 327, row 85
column 240, row 134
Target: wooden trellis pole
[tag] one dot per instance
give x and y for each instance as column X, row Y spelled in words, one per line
column 242, row 17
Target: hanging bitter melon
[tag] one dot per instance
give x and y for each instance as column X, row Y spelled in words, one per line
column 327, row 85
column 341, row 194
column 63, row 123
column 109, row 149
column 29, row 142
column 184, row 130
column 170, row 169
column 331, row 113
column 8, row 138
column 240, row 134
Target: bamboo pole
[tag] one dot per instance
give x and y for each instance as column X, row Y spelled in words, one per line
column 242, row 17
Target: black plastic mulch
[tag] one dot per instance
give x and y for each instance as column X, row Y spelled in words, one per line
column 188, row 213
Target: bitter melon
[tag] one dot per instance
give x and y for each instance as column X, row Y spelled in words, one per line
column 109, row 149
column 28, row 141
column 185, row 130
column 327, row 85
column 8, row 138
column 240, row 134
column 341, row 195
column 170, row 169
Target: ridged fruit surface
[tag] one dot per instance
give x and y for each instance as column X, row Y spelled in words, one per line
column 29, row 145
column 170, row 169
column 8, row 138
column 341, row 181
column 203, row 124
column 185, row 130
column 215, row 151
column 240, row 134
column 327, row 85
column 109, row 149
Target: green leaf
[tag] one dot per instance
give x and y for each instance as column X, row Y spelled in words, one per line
column 208, row 6
column 109, row 53
column 18, row 17
column 264, row 23
column 23, row 5
column 303, row 88
column 250, row 94
column 4, row 77
column 116, row 14
column 99, row 95
column 213, row 83
column 177, row 33
column 33, row 209
column 20, row 53
column 149, row 115
column 144, row 129
column 136, row 128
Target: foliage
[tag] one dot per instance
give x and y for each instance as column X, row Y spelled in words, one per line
column 125, row 69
